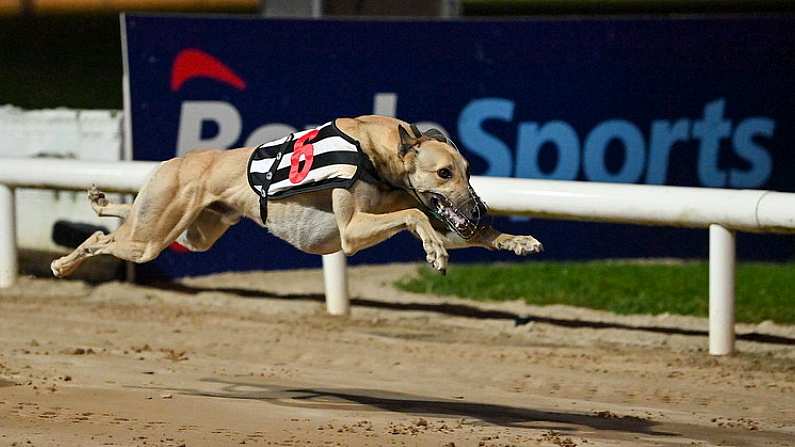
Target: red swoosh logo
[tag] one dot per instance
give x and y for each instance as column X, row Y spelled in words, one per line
column 178, row 248
column 193, row 63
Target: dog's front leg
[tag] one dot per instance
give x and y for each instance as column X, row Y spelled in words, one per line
column 494, row 240
column 360, row 230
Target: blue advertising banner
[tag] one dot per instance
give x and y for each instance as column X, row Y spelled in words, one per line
column 704, row 102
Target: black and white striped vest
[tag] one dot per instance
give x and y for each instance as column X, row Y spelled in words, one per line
column 309, row 160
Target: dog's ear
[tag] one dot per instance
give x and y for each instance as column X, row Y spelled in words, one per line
column 405, row 137
column 436, row 134
column 406, row 141
column 416, row 130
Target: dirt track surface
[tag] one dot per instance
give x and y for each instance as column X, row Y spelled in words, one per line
column 252, row 359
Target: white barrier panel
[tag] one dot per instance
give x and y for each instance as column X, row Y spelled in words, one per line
column 719, row 209
column 57, row 133
column 61, row 133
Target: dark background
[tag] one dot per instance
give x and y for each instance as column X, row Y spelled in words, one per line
column 74, row 60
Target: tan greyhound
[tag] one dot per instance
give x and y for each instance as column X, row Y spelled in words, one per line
column 419, row 182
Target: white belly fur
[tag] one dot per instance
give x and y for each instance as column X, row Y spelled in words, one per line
column 307, row 228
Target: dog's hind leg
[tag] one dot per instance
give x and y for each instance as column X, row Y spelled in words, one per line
column 96, row 244
column 163, row 209
column 118, row 243
column 208, row 227
column 102, row 206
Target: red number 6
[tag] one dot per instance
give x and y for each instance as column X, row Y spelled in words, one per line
column 299, row 149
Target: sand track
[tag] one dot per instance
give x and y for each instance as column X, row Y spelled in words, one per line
column 251, row 358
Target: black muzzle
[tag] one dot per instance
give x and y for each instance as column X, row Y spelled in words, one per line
column 466, row 220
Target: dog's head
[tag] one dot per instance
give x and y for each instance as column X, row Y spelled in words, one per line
column 439, row 175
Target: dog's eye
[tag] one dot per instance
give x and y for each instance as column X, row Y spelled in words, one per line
column 444, row 173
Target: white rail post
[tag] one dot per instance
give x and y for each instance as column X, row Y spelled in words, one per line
column 8, row 238
column 335, row 276
column 722, row 266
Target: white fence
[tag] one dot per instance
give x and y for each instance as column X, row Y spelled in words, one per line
column 722, row 211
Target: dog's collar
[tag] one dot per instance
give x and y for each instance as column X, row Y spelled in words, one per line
column 370, row 174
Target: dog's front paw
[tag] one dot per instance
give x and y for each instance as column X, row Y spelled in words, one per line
column 521, row 245
column 435, row 253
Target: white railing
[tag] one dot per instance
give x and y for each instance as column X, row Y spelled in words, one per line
column 723, row 211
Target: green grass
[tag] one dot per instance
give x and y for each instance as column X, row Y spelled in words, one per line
column 764, row 291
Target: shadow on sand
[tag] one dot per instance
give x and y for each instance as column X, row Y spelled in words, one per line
column 361, row 400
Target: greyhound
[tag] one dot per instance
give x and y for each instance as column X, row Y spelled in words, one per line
column 404, row 180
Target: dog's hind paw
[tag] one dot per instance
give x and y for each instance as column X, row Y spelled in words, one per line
column 521, row 245
column 97, row 197
column 57, row 269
